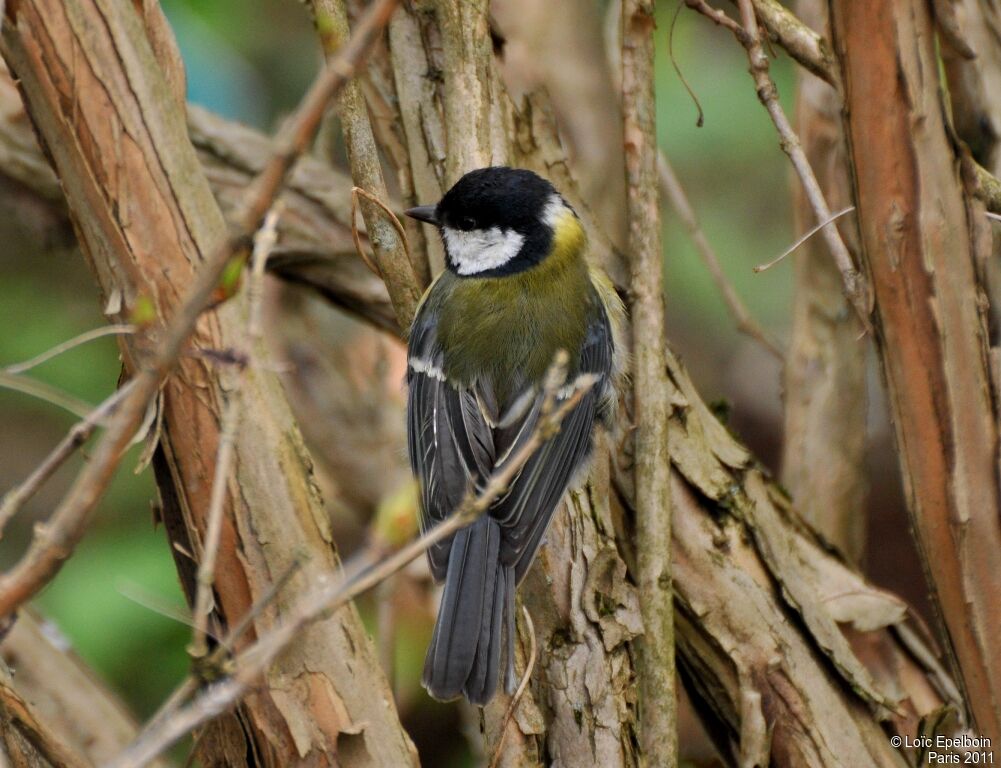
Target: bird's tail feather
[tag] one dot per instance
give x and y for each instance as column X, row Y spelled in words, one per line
column 475, row 613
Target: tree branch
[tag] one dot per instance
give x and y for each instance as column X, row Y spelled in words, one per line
column 405, row 286
column 810, row 50
column 314, row 245
column 13, row 499
column 761, row 593
column 855, row 286
column 55, row 542
column 801, row 41
column 62, row 694
column 921, row 236
column 655, row 661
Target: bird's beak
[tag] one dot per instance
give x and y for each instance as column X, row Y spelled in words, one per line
column 424, row 213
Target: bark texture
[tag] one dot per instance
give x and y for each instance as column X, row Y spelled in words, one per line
column 824, row 376
column 581, row 707
column 782, row 586
column 922, row 236
column 144, row 214
column 651, row 460
column 391, row 255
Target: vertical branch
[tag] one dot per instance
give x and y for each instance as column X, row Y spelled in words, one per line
column 366, row 170
column 825, row 397
column 421, row 120
column 748, row 35
column 579, row 707
column 922, row 234
column 475, row 125
column 655, row 662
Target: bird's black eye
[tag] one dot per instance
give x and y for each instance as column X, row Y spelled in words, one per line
column 466, row 223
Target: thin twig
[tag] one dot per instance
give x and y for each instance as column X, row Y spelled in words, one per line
column 404, row 282
column 327, row 598
column 154, row 603
column 43, row 391
column 55, row 541
column 529, row 667
column 218, row 655
column 356, row 238
column 834, row 217
column 715, row 15
column 76, row 341
column 393, row 219
column 679, row 201
column 810, row 50
column 701, row 118
column 855, row 287
column 655, row 667
column 14, row 499
column 217, row 508
column 264, row 242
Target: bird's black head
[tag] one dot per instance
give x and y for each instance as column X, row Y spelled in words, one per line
column 496, row 221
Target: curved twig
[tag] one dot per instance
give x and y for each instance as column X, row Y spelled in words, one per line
column 66, row 346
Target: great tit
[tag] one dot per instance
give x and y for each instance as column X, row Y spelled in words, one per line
column 517, row 288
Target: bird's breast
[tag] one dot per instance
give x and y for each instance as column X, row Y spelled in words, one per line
column 507, row 330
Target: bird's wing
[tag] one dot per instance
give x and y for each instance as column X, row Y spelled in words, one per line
column 457, row 437
column 525, row 511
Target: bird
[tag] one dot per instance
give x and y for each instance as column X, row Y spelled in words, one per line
column 516, row 289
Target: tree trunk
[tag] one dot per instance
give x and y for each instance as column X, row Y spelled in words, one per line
column 922, row 237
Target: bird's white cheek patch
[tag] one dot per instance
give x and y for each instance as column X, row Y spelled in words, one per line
column 480, row 250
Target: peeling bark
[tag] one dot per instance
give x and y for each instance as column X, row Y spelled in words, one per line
column 144, row 214
column 573, row 713
column 790, row 655
column 580, row 709
column 922, row 235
